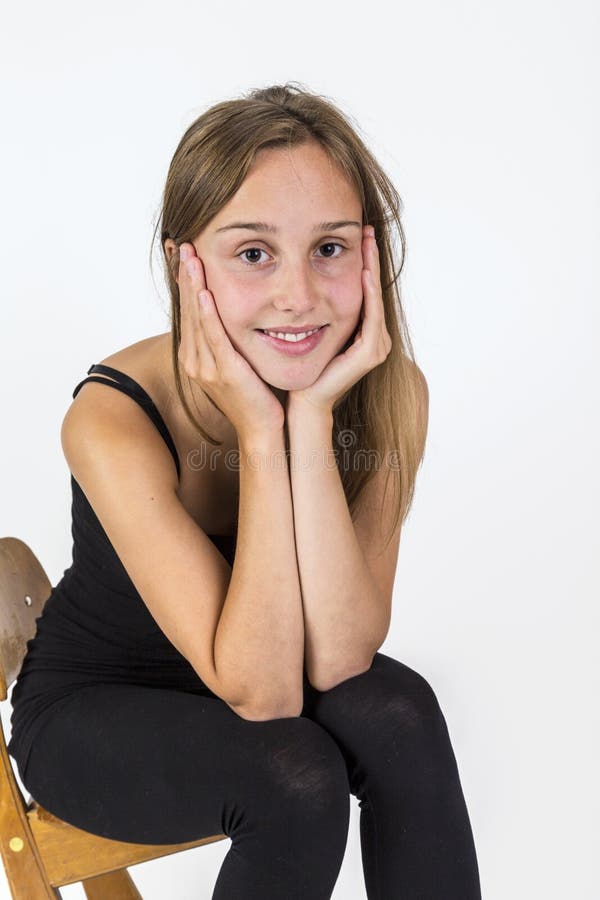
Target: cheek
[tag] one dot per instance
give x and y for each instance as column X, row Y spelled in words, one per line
column 233, row 301
column 347, row 297
column 238, row 310
column 240, row 296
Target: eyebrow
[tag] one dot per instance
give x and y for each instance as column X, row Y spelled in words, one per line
column 272, row 229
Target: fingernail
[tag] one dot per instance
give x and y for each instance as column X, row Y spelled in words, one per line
column 189, row 266
column 183, row 252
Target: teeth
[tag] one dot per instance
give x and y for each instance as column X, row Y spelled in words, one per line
column 294, row 338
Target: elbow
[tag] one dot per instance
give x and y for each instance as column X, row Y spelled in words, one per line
column 265, row 712
column 262, row 709
column 327, row 680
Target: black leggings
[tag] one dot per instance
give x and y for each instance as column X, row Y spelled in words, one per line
column 158, row 766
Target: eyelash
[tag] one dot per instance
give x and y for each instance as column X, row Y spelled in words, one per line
column 260, row 249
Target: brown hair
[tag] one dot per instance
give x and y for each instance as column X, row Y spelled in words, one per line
column 382, row 417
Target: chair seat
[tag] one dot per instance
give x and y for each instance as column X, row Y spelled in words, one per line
column 40, row 852
column 70, row 854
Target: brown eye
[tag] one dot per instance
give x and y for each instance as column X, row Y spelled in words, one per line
column 332, row 244
column 251, row 250
column 259, row 250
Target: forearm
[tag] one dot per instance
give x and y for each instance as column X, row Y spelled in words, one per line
column 259, row 642
column 342, row 611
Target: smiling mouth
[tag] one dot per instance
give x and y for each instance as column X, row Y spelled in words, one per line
column 290, row 336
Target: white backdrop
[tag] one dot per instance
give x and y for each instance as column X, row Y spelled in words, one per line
column 486, row 117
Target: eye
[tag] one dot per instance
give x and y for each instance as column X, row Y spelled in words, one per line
column 260, row 250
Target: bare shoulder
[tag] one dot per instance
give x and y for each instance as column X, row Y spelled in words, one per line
column 146, row 362
column 111, row 416
column 149, row 362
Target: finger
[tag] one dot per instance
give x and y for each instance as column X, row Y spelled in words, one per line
column 213, row 328
column 194, row 344
column 373, row 312
column 187, row 347
column 193, row 267
column 373, row 299
column 376, row 312
column 371, row 252
column 375, row 255
column 211, row 332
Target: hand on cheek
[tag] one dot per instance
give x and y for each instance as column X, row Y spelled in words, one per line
column 368, row 347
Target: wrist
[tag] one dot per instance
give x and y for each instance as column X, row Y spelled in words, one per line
column 261, row 440
column 301, row 409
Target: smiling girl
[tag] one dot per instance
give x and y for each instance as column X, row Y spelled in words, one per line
column 210, row 661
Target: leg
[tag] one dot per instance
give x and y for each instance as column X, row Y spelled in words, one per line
column 416, row 838
column 151, row 765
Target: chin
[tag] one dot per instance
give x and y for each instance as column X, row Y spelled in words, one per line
column 287, row 381
column 290, row 375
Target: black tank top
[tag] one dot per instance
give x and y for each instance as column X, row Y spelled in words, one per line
column 94, row 627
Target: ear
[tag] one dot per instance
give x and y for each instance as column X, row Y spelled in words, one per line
column 172, row 252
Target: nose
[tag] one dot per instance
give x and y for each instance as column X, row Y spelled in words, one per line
column 295, row 290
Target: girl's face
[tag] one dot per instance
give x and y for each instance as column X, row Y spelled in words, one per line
column 305, row 270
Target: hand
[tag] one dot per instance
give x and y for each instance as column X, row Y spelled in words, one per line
column 208, row 357
column 370, row 347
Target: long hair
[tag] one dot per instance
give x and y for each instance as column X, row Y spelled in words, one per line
column 379, row 420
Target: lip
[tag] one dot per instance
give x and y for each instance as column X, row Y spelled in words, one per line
column 295, row 329
column 294, row 348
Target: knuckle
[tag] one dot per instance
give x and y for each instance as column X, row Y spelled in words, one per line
column 207, row 376
column 187, row 363
column 189, row 370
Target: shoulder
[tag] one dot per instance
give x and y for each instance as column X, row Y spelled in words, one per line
column 111, row 418
column 146, row 362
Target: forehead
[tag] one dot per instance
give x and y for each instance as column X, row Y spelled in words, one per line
column 289, row 183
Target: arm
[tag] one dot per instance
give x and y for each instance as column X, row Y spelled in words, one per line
column 240, row 629
column 346, row 584
column 259, row 638
column 259, row 642
column 345, row 617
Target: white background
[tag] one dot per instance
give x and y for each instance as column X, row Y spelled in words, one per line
column 486, row 117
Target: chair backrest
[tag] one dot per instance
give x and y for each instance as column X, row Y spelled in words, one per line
column 24, row 589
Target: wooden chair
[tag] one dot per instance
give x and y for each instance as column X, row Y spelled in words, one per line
column 41, row 852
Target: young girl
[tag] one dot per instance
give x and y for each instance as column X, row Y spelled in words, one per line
column 210, row 662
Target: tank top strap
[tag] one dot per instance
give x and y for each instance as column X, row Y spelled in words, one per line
column 127, row 385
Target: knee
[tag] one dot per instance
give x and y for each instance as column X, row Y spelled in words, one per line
column 409, row 700
column 304, row 769
column 390, row 699
column 296, row 802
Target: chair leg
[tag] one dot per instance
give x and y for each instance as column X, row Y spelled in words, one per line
column 23, row 866
column 29, row 883
column 117, row 885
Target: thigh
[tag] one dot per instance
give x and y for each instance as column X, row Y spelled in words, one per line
column 153, row 765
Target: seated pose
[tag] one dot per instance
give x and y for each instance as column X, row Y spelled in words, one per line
column 209, row 663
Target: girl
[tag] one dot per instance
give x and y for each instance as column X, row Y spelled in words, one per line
column 210, row 662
